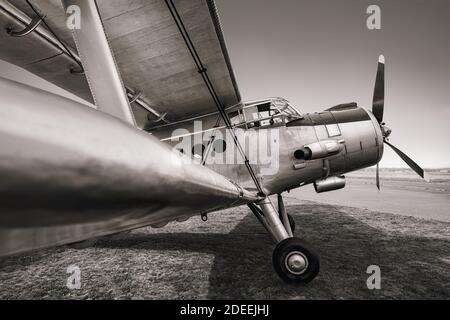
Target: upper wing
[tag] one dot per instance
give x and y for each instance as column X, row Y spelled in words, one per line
column 149, row 48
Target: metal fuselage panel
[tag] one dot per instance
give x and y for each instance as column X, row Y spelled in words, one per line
column 355, row 129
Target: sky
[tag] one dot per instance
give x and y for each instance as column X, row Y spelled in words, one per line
column 320, row 53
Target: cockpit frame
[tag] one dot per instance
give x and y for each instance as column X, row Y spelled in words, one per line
column 274, row 111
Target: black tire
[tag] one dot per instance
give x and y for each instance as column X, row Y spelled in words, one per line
column 291, row 222
column 282, row 252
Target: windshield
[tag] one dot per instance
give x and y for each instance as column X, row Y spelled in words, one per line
column 268, row 108
column 286, row 108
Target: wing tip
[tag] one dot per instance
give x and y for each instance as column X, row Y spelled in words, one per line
column 381, row 59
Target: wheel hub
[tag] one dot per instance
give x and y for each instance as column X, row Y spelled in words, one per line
column 296, row 262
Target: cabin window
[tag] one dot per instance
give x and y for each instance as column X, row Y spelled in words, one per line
column 251, row 114
column 198, row 150
column 261, row 115
column 235, row 117
column 267, row 110
column 264, row 110
column 219, row 146
column 333, row 130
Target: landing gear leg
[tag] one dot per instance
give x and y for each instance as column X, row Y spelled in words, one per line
column 293, row 259
column 291, row 222
column 287, row 220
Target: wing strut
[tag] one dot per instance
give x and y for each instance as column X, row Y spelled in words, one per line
column 203, row 71
column 98, row 61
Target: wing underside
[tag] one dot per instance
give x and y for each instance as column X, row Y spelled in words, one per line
column 151, row 53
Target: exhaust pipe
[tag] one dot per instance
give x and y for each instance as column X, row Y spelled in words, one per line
column 329, row 184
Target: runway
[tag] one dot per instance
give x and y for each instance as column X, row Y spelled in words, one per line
column 229, row 256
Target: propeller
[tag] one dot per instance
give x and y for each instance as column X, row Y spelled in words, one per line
column 378, row 112
column 378, row 93
column 409, row 162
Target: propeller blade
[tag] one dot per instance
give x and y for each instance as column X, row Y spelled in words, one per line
column 410, row 162
column 378, row 94
column 378, row 176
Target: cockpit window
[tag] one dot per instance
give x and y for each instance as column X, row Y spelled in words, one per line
column 269, row 112
column 235, row 117
column 287, row 109
column 251, row 113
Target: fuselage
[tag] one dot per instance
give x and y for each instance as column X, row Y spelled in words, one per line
column 286, row 153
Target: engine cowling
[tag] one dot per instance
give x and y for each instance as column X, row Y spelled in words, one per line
column 329, row 184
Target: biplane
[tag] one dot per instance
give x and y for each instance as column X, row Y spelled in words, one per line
column 170, row 136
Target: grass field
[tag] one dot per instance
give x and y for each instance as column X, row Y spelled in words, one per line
column 230, row 257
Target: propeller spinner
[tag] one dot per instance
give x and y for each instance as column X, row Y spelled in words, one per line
column 378, row 112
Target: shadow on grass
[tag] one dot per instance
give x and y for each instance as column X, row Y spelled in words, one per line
column 411, row 267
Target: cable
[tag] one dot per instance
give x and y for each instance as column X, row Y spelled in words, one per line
column 55, row 35
column 204, row 74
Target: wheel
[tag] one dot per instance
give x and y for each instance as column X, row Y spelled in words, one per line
column 291, row 222
column 294, row 261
